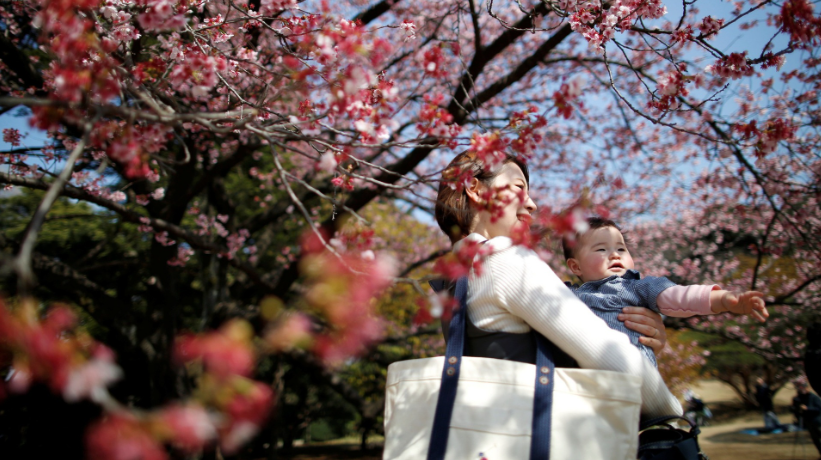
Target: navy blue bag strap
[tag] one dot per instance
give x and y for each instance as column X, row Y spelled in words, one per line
column 450, row 375
column 543, row 395
column 542, row 400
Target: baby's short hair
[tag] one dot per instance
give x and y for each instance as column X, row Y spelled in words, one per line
column 594, row 223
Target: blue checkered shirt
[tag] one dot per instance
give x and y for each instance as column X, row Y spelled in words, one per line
column 607, row 297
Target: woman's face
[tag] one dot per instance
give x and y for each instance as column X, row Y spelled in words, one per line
column 512, row 194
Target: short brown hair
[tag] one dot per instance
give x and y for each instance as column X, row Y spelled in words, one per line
column 594, row 223
column 453, row 212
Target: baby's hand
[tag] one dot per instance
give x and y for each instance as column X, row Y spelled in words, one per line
column 747, row 303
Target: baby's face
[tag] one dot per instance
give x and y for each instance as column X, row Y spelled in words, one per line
column 600, row 253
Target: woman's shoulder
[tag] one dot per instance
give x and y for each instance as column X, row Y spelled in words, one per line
column 514, row 260
column 501, row 252
column 502, row 247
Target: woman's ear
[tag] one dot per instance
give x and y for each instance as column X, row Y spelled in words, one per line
column 474, row 190
column 574, row 267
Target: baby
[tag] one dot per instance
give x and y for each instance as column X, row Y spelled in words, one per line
column 601, row 260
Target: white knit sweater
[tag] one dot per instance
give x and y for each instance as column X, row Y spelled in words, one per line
column 517, row 291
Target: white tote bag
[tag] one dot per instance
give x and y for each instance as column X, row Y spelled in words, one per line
column 595, row 414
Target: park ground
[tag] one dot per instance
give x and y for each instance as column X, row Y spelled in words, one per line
column 722, row 439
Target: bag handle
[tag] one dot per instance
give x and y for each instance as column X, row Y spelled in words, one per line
column 671, row 443
column 663, row 421
column 542, row 398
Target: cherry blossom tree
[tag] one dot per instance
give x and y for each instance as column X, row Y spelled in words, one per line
column 239, row 142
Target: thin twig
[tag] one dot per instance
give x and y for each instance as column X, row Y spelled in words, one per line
column 22, row 263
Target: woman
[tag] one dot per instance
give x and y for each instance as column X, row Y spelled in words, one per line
column 517, row 291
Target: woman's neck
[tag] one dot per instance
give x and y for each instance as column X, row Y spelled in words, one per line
column 480, row 227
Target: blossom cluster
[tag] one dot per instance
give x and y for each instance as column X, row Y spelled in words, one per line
column 598, row 26
column 83, row 66
column 567, row 94
column 527, row 125
column 346, row 54
column 798, row 19
column 436, row 121
column 767, row 137
column 672, row 87
column 84, row 70
column 733, row 66
column 203, row 57
column 341, row 284
column 52, row 352
column 12, row 136
column 710, row 26
column 131, row 145
column 86, row 66
column 197, row 74
column 227, row 407
column 433, row 61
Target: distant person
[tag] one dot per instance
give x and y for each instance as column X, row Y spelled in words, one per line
column 807, row 408
column 694, row 409
column 812, row 357
column 764, row 397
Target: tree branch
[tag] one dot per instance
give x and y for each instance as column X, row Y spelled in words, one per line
column 375, row 11
column 522, row 69
column 433, row 256
column 128, row 215
column 480, row 60
column 22, row 262
column 783, row 297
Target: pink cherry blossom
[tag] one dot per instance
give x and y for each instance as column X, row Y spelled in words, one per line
column 121, row 437
column 12, row 136
column 224, row 353
column 190, row 427
column 91, row 379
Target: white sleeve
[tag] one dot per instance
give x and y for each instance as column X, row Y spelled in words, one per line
column 529, row 289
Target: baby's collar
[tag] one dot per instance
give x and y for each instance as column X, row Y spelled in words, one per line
column 629, row 274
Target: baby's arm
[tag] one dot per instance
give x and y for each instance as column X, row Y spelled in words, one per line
column 686, row 301
column 746, row 303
